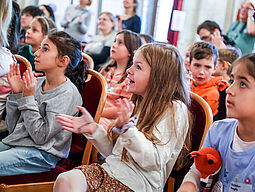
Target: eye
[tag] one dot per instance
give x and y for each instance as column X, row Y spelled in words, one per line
column 45, row 49
column 242, row 84
column 196, row 65
column 231, row 81
column 138, row 67
column 208, row 67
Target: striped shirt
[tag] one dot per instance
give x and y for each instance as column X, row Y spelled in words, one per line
column 115, row 91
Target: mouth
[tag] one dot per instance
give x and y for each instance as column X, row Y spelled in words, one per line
column 229, row 103
column 36, row 61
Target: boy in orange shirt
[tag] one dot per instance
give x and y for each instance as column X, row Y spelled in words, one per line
column 203, row 59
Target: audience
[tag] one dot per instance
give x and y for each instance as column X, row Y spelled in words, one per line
column 129, row 20
column 146, row 140
column 203, row 59
column 38, row 144
column 99, row 47
column 77, row 19
column 27, row 15
column 239, row 30
column 40, row 27
column 146, row 38
column 115, row 74
column 233, row 137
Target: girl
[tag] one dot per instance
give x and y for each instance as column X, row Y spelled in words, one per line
column 122, row 52
column 99, row 47
column 5, row 55
column 39, row 28
column 39, row 142
column 140, row 151
column 234, row 137
column 77, row 19
column 129, row 20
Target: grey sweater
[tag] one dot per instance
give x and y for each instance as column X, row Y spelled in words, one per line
column 37, row 115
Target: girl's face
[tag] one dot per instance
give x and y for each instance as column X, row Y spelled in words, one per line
column 34, row 35
column 119, row 51
column 46, row 57
column 105, row 23
column 241, row 94
column 138, row 75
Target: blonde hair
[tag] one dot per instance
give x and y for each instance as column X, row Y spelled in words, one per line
column 5, row 19
column 167, row 83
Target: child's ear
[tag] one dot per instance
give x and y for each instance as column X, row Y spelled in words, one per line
column 224, row 65
column 64, row 61
column 215, row 68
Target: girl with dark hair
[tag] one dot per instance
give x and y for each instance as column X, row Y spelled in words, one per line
column 38, row 142
column 115, row 73
column 129, row 20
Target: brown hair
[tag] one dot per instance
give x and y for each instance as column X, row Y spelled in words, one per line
column 132, row 41
column 46, row 23
column 229, row 55
column 167, row 83
column 248, row 61
column 202, row 50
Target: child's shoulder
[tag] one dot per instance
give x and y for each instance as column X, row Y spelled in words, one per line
column 224, row 127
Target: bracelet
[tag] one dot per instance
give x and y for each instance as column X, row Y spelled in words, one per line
column 125, row 127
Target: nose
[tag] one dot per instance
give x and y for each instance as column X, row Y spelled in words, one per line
column 37, row 53
column 130, row 70
column 229, row 90
column 201, row 71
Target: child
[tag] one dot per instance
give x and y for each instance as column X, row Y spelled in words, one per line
column 122, row 52
column 27, row 15
column 203, row 59
column 39, row 142
column 234, row 138
column 5, row 55
column 226, row 58
column 140, row 151
column 39, row 28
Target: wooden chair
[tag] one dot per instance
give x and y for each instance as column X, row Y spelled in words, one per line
column 23, row 63
column 94, row 96
column 203, row 120
column 89, row 59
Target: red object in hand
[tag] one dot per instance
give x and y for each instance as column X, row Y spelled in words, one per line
column 207, row 161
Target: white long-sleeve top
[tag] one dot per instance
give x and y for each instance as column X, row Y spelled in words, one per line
column 149, row 164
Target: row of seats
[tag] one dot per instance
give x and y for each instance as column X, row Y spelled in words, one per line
column 82, row 151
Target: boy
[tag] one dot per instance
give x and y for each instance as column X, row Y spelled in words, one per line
column 27, row 15
column 203, row 59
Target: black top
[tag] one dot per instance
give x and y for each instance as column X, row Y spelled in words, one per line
column 133, row 24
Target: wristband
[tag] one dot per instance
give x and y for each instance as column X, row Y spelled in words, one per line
column 125, row 127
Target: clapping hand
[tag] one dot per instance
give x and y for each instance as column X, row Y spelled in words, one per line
column 83, row 124
column 30, row 82
column 14, row 79
column 125, row 111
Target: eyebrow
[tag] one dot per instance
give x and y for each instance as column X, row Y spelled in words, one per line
column 240, row 77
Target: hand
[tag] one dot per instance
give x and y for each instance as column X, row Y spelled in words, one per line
column 82, row 124
column 14, row 79
column 30, row 82
column 217, row 40
column 190, row 78
column 125, row 111
column 187, row 187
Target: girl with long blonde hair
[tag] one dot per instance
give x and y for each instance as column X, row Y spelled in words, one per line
column 149, row 133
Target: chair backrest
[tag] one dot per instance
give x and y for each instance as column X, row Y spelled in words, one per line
column 23, row 63
column 94, row 103
column 88, row 59
column 202, row 121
